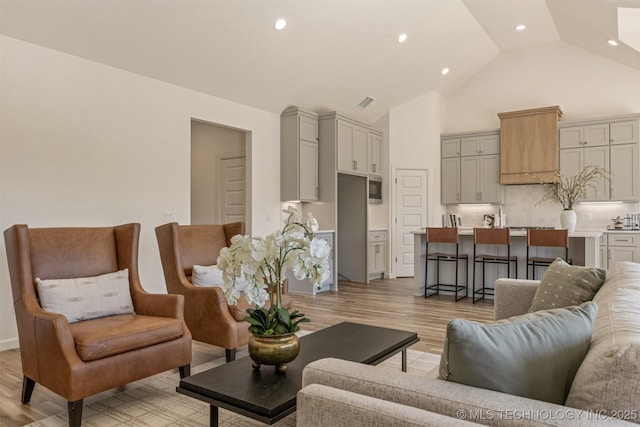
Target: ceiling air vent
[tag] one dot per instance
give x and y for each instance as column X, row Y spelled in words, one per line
column 365, row 102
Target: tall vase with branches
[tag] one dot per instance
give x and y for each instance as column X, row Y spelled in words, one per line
column 567, row 190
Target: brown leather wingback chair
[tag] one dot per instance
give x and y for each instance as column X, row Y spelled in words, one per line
column 79, row 359
column 207, row 314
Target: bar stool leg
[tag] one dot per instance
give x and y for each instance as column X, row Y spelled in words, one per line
column 473, row 294
column 426, row 269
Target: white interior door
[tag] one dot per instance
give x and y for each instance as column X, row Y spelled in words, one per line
column 232, row 200
column 411, row 215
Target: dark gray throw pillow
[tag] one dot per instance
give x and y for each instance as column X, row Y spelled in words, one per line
column 563, row 285
column 535, row 355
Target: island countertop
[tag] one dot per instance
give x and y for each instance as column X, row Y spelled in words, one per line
column 520, row 232
column 584, row 249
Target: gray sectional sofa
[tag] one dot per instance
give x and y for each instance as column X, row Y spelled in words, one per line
column 606, row 386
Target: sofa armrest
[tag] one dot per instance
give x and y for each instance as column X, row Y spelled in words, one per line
column 513, row 297
column 447, row 398
column 322, row 406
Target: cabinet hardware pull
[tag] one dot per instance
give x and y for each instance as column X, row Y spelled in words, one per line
column 377, row 249
column 373, row 166
column 457, row 196
column 355, row 165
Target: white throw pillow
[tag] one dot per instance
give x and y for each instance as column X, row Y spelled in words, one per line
column 207, row 275
column 211, row 275
column 86, row 298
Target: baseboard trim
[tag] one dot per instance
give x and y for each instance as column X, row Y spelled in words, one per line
column 9, row 344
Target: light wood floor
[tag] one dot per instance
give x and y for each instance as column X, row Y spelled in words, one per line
column 388, row 303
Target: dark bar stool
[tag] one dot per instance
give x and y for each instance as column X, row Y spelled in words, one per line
column 445, row 235
column 549, row 239
column 497, row 237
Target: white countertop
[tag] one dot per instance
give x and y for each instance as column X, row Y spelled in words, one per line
column 468, row 231
column 378, row 229
column 325, row 231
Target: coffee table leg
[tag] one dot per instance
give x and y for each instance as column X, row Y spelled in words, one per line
column 404, row 360
column 213, row 416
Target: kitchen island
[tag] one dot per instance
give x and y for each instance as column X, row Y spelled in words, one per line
column 584, row 249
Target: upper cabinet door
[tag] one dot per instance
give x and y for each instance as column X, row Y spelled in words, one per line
column 308, row 129
column 451, row 147
column 308, row 171
column 624, row 132
column 361, row 149
column 346, row 135
column 375, row 148
column 595, row 135
column 353, row 148
column 625, row 181
column 571, row 137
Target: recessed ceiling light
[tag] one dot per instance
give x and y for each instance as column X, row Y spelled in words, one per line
column 444, row 71
column 402, row 38
column 280, row 24
column 612, row 42
column 520, row 27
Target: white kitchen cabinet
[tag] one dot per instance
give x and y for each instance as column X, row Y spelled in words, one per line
column 353, row 148
column 479, row 145
column 621, row 246
column 584, row 135
column 611, row 143
column 377, row 254
column 450, row 182
column 375, row 153
column 625, row 132
column 450, row 147
column 572, row 160
column 480, row 179
column 298, row 155
column 625, row 180
column 471, row 168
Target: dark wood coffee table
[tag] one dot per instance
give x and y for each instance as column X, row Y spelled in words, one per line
column 267, row 395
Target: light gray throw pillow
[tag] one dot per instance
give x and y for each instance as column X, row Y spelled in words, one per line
column 535, row 355
column 85, row 298
column 564, row 285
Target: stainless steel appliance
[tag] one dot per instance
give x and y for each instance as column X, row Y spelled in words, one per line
column 375, row 189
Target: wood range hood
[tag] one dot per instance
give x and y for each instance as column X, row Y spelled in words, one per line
column 529, row 145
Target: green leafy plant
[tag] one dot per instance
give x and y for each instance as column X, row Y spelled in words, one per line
column 274, row 321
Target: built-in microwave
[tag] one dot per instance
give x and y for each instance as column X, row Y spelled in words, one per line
column 375, row 189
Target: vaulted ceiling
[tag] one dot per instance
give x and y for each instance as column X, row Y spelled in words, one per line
column 332, row 53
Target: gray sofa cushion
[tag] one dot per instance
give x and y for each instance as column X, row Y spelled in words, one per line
column 535, row 355
column 564, row 285
column 608, row 381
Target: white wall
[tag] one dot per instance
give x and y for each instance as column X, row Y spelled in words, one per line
column 84, row 144
column 208, row 143
column 414, row 141
column 583, row 84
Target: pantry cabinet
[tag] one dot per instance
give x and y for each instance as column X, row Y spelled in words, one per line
column 299, row 155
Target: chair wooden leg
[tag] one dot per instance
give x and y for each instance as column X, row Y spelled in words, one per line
column 27, row 388
column 75, row 413
column 185, row 371
column 230, row 354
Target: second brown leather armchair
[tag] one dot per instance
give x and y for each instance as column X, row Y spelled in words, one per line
column 206, row 311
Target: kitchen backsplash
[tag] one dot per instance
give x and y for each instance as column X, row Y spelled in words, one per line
column 520, row 209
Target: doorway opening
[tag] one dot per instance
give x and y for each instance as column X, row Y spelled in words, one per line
column 219, row 171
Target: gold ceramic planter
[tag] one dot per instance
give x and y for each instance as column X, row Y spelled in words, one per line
column 273, row 350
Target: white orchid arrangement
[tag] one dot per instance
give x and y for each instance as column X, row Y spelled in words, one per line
column 257, row 266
